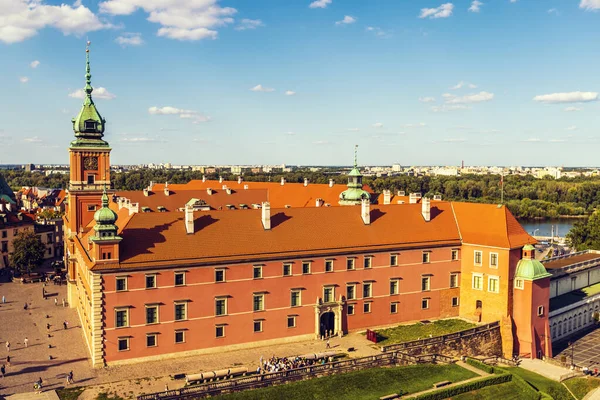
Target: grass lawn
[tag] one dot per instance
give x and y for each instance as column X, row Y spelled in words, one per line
column 504, row 391
column 368, row 384
column 71, row 393
column 541, row 383
column 407, row 333
column 582, row 386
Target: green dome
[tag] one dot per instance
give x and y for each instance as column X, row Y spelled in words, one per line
column 355, row 172
column 531, row 269
column 105, row 216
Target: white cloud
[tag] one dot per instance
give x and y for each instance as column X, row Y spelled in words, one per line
column 572, row 109
column 513, row 1
column 454, row 140
column 419, row 125
column 590, row 5
column 34, row 64
column 461, row 84
column 353, row 129
column 532, row 140
column 98, row 93
column 22, row 19
column 34, row 139
column 378, row 125
column 451, row 107
column 572, row 128
column 320, row 4
column 246, row 23
column 553, row 11
column 23, row 79
column 443, row 11
column 426, row 99
column 195, row 116
column 346, row 21
column 467, row 99
column 321, row 142
column 260, row 88
column 472, row 86
column 557, row 140
column 377, row 31
column 180, row 20
column 290, row 133
column 569, row 97
column 289, row 93
column 475, row 6
column 130, row 39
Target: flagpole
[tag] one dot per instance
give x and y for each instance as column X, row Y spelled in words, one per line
column 502, row 189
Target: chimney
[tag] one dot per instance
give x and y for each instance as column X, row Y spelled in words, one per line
column 282, row 181
column 228, row 190
column 245, row 187
column 413, row 198
column 203, row 178
column 220, row 179
column 150, row 186
column 331, row 183
column 365, row 211
column 189, row 219
column 1, row 207
column 305, row 181
column 8, row 207
column 224, row 187
column 401, row 193
column 387, row 197
column 239, row 180
column 266, row 215
column 426, row 209
column 146, row 192
column 319, row 202
column 209, row 191
column 167, row 188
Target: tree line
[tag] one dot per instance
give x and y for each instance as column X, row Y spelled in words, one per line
column 525, row 196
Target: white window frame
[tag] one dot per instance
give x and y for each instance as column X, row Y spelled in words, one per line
column 490, row 279
column 426, row 257
column 175, row 278
column 351, row 311
column 126, row 339
column 370, row 291
column 330, row 261
column 426, row 300
column 262, row 303
column 393, row 257
column 428, row 278
column 290, row 266
column 353, row 286
column 146, row 282
column 299, row 297
column 519, row 283
column 119, row 309
column 260, row 324
column 497, row 260
column 367, row 307
column 148, row 335
column 540, row 311
column 309, row 265
column 368, row 262
column 457, row 276
column 394, row 305
column 332, row 287
column 397, row 288
column 223, row 270
column 257, row 268
column 480, row 263
column 292, row 318
column 223, row 329
column 117, row 279
column 452, row 255
column 476, row 274
column 182, row 335
column 457, row 301
column 148, row 306
column 185, row 313
column 350, row 264
column 223, row 298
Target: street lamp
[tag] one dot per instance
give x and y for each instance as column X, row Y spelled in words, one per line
column 535, row 230
column 572, row 344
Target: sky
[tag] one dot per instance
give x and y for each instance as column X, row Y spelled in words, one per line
column 300, row 82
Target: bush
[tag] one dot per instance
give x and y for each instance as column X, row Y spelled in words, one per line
column 480, row 365
column 465, row 387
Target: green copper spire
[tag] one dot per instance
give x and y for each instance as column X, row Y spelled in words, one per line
column 105, row 221
column 89, row 124
column 355, row 193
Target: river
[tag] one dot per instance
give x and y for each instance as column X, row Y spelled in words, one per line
column 545, row 226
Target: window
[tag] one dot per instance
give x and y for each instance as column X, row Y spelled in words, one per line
column 296, row 299
column 123, row 344
column 328, row 265
column 426, row 255
column 179, row 278
column 90, row 125
column 179, row 336
column 306, row 267
column 151, row 314
column 180, row 311
column 478, row 281
column 454, row 254
column 367, row 307
column 150, row 281
column 151, row 340
column 394, row 308
column 105, row 256
column 394, row 260
column 291, row 322
column 478, row 257
column 4, row 246
column 257, row 272
column 519, row 283
column 425, row 283
column 121, row 318
column 221, row 306
column 91, row 207
column 220, row 331
column 350, row 309
column 394, row 286
column 258, row 303
column 425, row 303
column 350, row 292
column 455, row 302
column 368, row 262
column 287, row 269
column 453, row 280
column 541, row 312
column 350, row 264
column 328, row 294
column 90, row 180
column 258, row 326
column 219, row 275
column 493, row 284
column 493, row 260
column 121, row 283
column 4, row 234
column 574, row 283
column 367, row 290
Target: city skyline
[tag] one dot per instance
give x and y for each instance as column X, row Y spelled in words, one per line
column 228, row 82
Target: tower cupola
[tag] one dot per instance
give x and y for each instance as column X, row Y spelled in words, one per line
column 355, row 193
column 105, row 228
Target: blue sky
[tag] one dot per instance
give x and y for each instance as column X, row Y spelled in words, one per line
column 423, row 82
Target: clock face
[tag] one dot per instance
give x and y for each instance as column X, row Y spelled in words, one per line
column 90, row 163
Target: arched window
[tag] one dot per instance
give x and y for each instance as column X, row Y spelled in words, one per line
column 560, row 328
column 554, row 330
column 585, row 320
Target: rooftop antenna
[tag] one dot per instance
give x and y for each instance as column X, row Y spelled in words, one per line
column 355, row 156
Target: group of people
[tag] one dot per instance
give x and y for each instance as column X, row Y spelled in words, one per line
column 276, row 364
column 589, row 371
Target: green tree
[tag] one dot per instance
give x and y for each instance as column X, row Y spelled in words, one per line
column 586, row 234
column 28, row 251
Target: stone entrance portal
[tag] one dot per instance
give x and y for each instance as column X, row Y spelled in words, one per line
column 328, row 318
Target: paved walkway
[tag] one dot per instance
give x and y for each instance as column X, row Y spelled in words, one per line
column 585, row 349
column 47, row 395
column 460, row 364
column 548, row 370
column 593, row 395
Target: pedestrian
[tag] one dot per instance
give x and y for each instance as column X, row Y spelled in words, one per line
column 55, row 301
column 48, row 327
column 25, row 341
column 44, row 292
column 65, row 324
column 3, row 299
column 70, row 377
column 8, row 360
column 327, row 345
column 3, row 370
column 38, row 385
column 25, row 307
column 166, row 387
column 7, row 346
column 63, row 302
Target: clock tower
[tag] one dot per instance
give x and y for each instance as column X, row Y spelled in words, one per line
column 89, row 158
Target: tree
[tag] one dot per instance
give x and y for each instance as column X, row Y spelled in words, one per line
column 28, row 251
column 586, row 234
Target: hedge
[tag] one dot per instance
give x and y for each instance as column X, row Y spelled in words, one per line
column 480, row 365
column 466, row 387
column 525, row 386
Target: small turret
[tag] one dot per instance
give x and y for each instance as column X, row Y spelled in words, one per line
column 354, row 194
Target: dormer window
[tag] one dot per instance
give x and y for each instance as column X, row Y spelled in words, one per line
column 90, row 125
